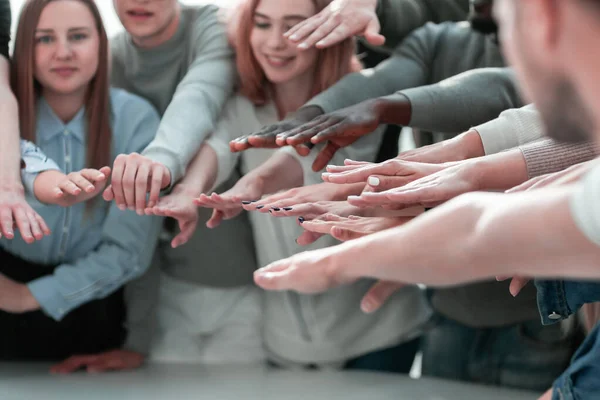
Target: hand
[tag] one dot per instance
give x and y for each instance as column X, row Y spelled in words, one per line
column 564, row 177
column 352, row 227
column 179, row 204
column 16, row 297
column 516, row 284
column 302, row 195
column 547, row 395
column 429, row 191
column 133, row 177
column 340, row 128
column 340, row 20
column 229, row 204
column 14, row 210
column 462, row 147
column 115, row 360
column 309, row 272
column 266, row 136
column 79, row 186
column 378, row 294
column 383, row 176
column 318, row 209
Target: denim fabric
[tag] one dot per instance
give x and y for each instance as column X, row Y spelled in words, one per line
column 558, row 300
column 525, row 356
column 581, row 381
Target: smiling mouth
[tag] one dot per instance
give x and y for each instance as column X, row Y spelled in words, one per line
column 279, row 61
column 139, row 13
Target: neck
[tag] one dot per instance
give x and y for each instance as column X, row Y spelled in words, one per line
column 163, row 35
column 290, row 96
column 65, row 106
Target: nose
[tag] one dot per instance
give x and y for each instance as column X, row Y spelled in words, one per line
column 276, row 39
column 64, row 50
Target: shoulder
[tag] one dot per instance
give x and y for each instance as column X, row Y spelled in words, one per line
column 207, row 24
column 124, row 103
column 198, row 16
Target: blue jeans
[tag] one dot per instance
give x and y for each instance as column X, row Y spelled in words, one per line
column 526, row 356
column 398, row 359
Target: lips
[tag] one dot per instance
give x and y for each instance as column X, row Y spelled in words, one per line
column 139, row 13
column 64, row 71
column 279, row 62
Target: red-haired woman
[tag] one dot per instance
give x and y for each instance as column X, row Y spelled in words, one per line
column 276, row 78
column 60, row 295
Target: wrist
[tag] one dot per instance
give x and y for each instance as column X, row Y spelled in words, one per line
column 12, row 186
column 471, row 144
column 394, row 109
column 27, row 299
column 188, row 189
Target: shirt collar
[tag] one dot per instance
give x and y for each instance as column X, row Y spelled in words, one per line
column 49, row 125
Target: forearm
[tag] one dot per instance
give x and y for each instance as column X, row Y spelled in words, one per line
column 201, row 174
column 269, row 175
column 500, row 171
column 10, row 160
column 462, row 101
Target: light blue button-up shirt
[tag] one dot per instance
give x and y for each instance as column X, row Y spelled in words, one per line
column 97, row 250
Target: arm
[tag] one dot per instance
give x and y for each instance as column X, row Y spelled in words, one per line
column 412, row 57
column 548, row 156
column 126, row 246
column 198, row 101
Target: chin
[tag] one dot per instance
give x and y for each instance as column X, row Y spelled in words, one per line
column 278, row 78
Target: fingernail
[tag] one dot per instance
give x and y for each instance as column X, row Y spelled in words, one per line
column 287, row 208
column 321, row 43
column 325, row 174
column 303, row 46
column 373, row 181
column 275, row 208
column 246, row 202
column 301, row 219
column 260, row 207
column 294, row 37
column 367, row 306
column 270, row 211
column 140, row 212
column 122, row 207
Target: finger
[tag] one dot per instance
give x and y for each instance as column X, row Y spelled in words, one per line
column 378, row 295
column 359, row 201
column 215, row 220
column 335, row 36
column 307, row 238
column 117, row 182
column 336, row 169
column 155, row 184
column 317, row 226
column 69, row 187
column 380, row 183
column 345, row 234
column 239, row 144
column 372, row 35
column 275, row 276
column 319, row 34
column 305, row 28
column 72, row 364
column 23, row 225
column 108, row 194
column 142, row 178
column 187, row 229
column 6, row 222
column 36, row 230
column 501, row 278
column 129, row 183
column 93, row 175
column 354, row 174
column 81, row 182
column 517, row 284
column 266, row 140
column 43, row 226
column 324, row 156
column 105, row 171
column 302, row 133
column 339, row 129
column 354, row 162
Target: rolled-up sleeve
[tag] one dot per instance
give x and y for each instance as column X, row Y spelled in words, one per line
column 34, row 162
column 127, row 242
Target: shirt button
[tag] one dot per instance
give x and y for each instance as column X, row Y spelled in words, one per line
column 67, row 159
column 66, row 132
column 554, row 316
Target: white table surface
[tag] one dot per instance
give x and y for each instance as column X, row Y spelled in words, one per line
column 182, row 382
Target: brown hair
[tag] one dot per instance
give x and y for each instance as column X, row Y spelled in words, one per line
column 27, row 89
column 332, row 64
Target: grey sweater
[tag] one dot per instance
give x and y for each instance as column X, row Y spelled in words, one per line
column 188, row 79
column 428, row 56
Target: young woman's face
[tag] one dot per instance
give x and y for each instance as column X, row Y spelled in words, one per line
column 66, row 47
column 281, row 60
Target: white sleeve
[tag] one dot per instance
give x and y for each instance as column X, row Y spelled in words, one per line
column 512, row 128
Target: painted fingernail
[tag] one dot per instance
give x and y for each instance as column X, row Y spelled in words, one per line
column 287, row 208
column 275, row 208
column 373, row 181
column 260, row 207
column 301, row 219
column 246, row 202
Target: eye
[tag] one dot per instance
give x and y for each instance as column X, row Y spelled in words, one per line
column 44, row 39
column 78, row 37
column 262, row 25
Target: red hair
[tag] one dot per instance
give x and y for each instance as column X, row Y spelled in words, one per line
column 27, row 89
column 332, row 63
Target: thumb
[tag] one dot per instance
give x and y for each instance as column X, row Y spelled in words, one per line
column 378, row 295
column 108, row 194
column 372, row 34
